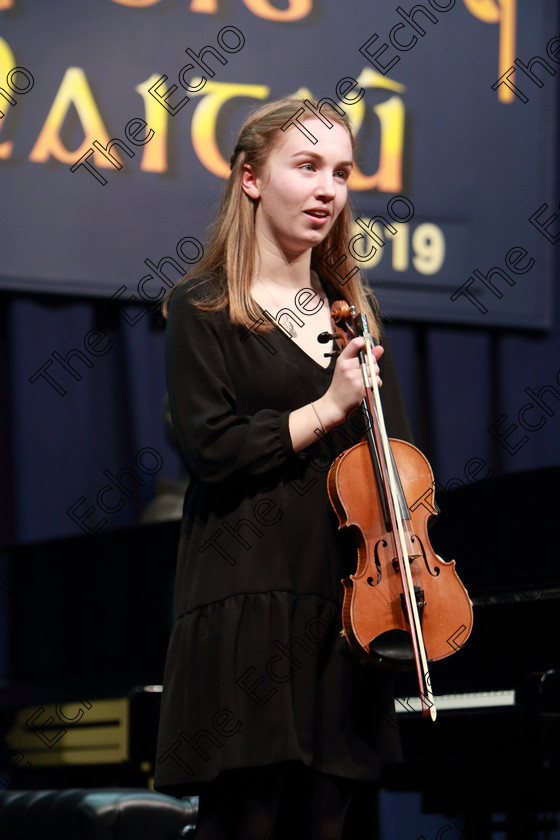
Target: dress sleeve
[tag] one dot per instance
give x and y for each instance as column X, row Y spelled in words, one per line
column 215, row 441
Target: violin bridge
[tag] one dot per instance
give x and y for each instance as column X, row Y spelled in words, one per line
column 395, row 561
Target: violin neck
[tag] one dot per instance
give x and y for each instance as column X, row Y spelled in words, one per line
column 387, row 477
column 374, row 434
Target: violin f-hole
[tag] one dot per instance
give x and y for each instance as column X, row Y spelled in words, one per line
column 433, row 572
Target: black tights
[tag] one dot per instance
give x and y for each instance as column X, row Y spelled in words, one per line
column 283, row 802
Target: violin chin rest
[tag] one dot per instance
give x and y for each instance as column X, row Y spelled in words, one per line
column 393, row 646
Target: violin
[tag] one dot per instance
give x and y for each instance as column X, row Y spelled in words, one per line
column 404, row 607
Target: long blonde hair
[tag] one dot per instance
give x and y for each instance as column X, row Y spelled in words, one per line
column 230, row 254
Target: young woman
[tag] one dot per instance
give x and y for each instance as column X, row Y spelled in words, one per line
column 266, row 715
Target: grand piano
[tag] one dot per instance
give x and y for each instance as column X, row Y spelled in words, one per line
column 89, row 624
column 495, row 746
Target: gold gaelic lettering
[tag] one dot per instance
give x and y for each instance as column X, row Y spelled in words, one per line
column 205, row 7
column 138, row 4
column 203, row 127
column 74, row 90
column 297, row 9
column 391, row 115
column 7, row 61
column 503, row 12
column 154, row 154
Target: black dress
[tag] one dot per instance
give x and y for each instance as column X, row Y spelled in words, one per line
column 257, row 671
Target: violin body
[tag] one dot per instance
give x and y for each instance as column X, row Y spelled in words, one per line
column 374, row 618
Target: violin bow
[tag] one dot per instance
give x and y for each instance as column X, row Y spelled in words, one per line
column 376, row 412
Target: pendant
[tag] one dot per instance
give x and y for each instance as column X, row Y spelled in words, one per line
column 287, row 324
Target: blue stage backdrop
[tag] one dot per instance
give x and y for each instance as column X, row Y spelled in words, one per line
column 118, row 118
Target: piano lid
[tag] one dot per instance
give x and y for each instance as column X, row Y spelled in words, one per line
column 502, row 533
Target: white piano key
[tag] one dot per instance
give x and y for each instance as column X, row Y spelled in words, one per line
column 459, row 702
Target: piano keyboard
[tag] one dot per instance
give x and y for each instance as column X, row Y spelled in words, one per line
column 459, row 702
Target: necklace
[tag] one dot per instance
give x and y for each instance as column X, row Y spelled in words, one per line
column 287, row 325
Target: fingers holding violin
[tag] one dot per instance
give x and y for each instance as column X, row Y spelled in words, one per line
column 347, row 389
column 377, row 352
column 355, row 346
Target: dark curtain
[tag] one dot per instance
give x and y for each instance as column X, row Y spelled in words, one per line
column 457, row 382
